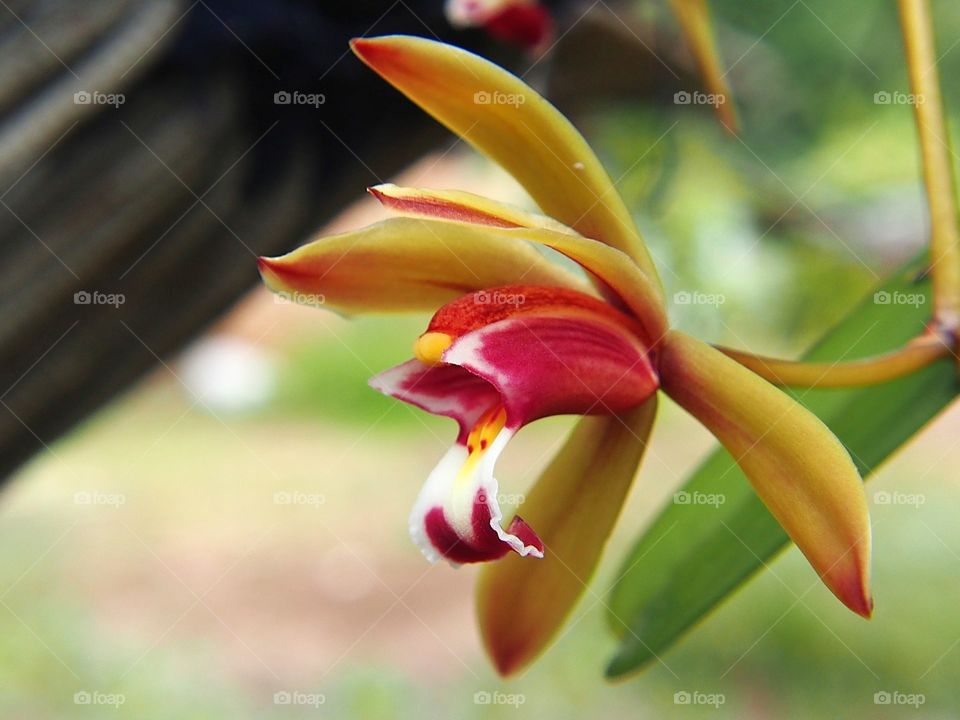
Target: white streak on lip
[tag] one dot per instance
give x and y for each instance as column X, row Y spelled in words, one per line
column 456, row 495
column 434, row 493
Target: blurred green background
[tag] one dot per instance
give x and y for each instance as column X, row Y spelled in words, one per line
column 232, row 536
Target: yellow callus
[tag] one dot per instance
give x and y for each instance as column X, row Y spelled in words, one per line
column 429, row 347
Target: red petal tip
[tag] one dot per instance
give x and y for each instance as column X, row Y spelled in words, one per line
column 527, row 534
column 265, row 264
column 855, row 594
column 863, row 606
column 506, row 666
column 507, row 656
column 368, row 49
column 274, row 272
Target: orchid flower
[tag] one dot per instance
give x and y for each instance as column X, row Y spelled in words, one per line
column 515, row 337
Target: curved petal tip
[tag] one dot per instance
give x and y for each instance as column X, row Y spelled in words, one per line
column 271, row 272
column 367, row 49
column 851, row 585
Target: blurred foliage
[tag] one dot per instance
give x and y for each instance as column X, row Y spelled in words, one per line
column 325, row 374
column 816, row 200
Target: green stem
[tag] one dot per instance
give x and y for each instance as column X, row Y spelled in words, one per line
column 917, row 27
column 694, row 19
column 911, row 357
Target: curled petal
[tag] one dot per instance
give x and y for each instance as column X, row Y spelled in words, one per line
column 502, row 117
column 406, row 264
column 574, row 506
column 798, row 468
column 493, row 380
column 625, row 280
column 440, row 390
column 479, row 309
column 569, row 362
column 547, row 361
column 457, row 515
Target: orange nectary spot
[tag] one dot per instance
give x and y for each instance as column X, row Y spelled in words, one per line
column 487, row 428
column 482, row 308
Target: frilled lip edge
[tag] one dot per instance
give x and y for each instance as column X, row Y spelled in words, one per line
column 438, row 535
column 493, row 381
column 457, row 514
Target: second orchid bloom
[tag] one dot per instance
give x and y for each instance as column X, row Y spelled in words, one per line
column 515, row 338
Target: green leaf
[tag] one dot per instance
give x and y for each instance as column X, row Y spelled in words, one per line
column 694, row 556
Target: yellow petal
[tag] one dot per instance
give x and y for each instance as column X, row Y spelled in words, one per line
column 574, row 505
column 796, row 465
column 628, row 282
column 502, row 117
column 694, row 19
column 407, row 264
